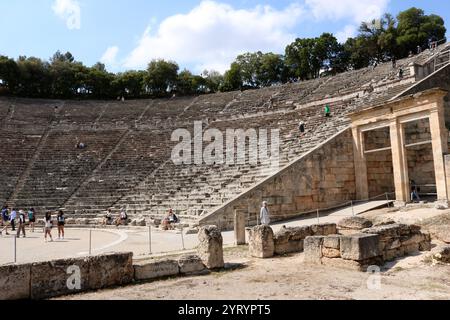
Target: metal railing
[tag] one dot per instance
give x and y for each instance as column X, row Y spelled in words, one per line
column 325, row 212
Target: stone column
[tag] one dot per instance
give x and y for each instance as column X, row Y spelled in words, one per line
column 400, row 163
column 362, row 185
column 239, row 227
column 439, row 139
column 447, row 174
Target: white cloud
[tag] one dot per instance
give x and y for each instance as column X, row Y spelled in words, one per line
column 212, row 34
column 348, row 32
column 357, row 10
column 110, row 55
column 70, row 11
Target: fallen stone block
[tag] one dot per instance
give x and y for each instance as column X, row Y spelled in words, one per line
column 210, row 248
column 313, row 250
column 15, row 282
column 324, row 229
column 359, row 247
column 108, row 270
column 332, row 242
column 354, row 223
column 59, row 277
column 155, row 269
column 261, row 242
column 191, row 265
column 290, row 240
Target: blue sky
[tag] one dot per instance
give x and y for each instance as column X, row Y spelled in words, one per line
column 127, row 34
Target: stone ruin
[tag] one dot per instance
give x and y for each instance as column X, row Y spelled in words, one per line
column 263, row 243
column 210, row 248
column 322, row 245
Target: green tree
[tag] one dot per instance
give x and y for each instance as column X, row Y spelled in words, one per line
column 232, row 79
column 161, row 77
column 9, row 73
column 213, row 80
column 129, row 84
column 34, row 78
column 416, row 29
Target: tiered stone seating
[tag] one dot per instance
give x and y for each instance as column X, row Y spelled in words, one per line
column 16, row 150
column 128, row 159
column 60, row 167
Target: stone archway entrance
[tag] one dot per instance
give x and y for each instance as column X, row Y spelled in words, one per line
column 403, row 140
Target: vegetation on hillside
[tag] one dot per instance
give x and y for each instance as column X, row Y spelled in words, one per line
column 64, row 77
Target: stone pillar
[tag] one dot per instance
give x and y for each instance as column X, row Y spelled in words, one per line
column 362, row 185
column 239, row 227
column 439, row 137
column 400, row 163
column 261, row 242
column 447, row 174
column 210, row 248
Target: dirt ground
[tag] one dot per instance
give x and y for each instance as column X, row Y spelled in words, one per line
column 288, row 278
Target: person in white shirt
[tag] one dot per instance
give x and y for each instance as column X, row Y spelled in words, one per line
column 48, row 226
column 265, row 214
column 12, row 219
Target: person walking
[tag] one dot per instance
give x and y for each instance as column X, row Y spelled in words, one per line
column 48, row 226
column 265, row 214
column 327, row 111
column 301, row 127
column 32, row 219
column 12, row 219
column 61, row 223
column 5, row 219
column 22, row 221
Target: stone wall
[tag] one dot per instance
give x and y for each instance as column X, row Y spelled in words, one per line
column 374, row 246
column 323, row 178
column 398, row 240
column 380, row 173
column 66, row 276
column 263, row 243
column 421, row 167
column 185, row 265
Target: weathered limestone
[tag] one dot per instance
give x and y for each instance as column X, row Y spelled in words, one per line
column 397, row 240
column 210, row 248
column 49, row 279
column 191, row 265
column 261, row 243
column 353, row 225
column 110, row 270
column 427, row 105
column 359, row 247
column 156, row 269
column 313, row 249
column 324, row 229
column 290, row 240
column 239, row 227
column 15, row 282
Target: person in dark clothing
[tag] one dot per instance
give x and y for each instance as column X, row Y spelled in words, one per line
column 22, row 221
column 414, row 191
column 301, row 127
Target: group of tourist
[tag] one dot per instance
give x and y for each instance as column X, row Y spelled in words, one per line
column 12, row 219
column 121, row 219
